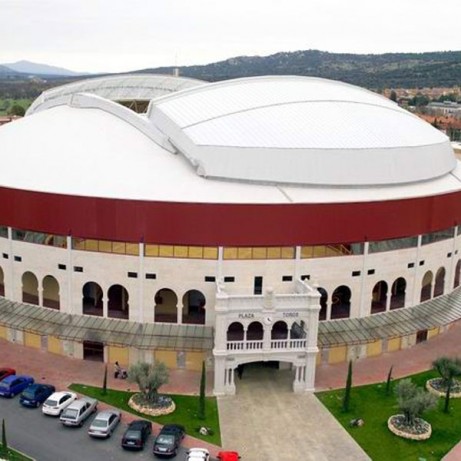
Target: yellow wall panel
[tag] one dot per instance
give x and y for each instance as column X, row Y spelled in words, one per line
column 3, row 332
column 54, row 345
column 210, row 253
column 374, row 348
column 32, row 340
column 119, row 354
column 230, row 253
column 337, row 354
column 167, row 357
column 194, row 360
column 393, row 344
column 432, row 332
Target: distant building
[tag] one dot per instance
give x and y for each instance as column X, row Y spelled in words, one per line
column 444, row 108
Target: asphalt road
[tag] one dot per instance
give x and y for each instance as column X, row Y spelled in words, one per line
column 46, row 439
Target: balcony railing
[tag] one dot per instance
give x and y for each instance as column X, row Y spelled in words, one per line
column 279, row 344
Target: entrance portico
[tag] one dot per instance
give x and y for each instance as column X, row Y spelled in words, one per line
column 269, row 327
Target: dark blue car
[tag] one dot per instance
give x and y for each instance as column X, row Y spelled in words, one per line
column 14, row 384
column 35, row 394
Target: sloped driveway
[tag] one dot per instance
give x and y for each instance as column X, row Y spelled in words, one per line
column 266, row 421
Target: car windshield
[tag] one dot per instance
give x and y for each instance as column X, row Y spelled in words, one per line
column 4, row 385
column 165, row 439
column 99, row 423
column 70, row 413
column 28, row 394
column 51, row 403
column 133, row 434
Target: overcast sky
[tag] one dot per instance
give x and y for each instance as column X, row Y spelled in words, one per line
column 121, row 35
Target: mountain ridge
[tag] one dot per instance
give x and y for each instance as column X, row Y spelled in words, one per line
column 34, row 68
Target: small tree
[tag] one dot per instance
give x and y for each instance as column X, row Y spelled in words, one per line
column 347, row 391
column 201, row 402
column 388, row 382
column 448, row 370
column 413, row 401
column 149, row 378
column 4, row 442
column 104, row 382
column 16, row 109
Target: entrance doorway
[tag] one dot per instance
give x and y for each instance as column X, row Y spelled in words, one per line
column 93, row 350
column 257, row 375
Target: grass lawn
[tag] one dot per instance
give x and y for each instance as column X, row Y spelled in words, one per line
column 13, row 455
column 185, row 413
column 373, row 405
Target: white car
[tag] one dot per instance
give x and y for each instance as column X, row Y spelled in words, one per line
column 56, row 402
column 198, row 454
column 78, row 411
column 104, row 423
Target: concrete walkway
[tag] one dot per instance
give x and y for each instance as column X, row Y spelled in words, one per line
column 266, row 421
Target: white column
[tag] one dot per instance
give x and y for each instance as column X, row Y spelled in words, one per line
column 219, row 375
column 416, row 285
column 363, row 308
column 40, row 292
column 105, row 306
column 69, row 306
column 141, row 278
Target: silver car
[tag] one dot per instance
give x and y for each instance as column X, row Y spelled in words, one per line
column 78, row 411
column 104, row 423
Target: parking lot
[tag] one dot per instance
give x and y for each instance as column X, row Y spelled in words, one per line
column 46, row 439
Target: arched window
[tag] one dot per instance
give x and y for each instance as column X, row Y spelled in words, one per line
column 92, row 299
column 323, row 303
column 379, row 297
column 341, row 303
column 426, row 286
column 255, row 331
column 235, row 332
column 51, row 292
column 117, row 302
column 30, row 288
column 2, row 283
column 398, row 293
column 166, row 306
column 439, row 282
column 193, row 310
column 279, row 330
column 457, row 274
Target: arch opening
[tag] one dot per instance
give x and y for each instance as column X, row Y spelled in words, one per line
column 30, row 288
column 341, row 303
column 398, row 293
column 379, row 297
column 166, row 306
column 117, row 303
column 426, row 287
column 439, row 286
column 193, row 311
column 92, row 303
column 51, row 292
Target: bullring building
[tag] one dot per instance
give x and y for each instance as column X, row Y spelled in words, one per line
column 292, row 220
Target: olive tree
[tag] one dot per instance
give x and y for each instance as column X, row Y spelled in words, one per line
column 149, row 378
column 413, row 401
column 448, row 370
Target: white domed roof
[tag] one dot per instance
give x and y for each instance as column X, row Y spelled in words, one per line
column 300, row 130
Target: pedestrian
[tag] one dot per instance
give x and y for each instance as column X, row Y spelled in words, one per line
column 117, row 370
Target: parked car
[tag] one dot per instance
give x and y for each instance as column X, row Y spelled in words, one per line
column 169, row 440
column 104, row 423
column 14, row 384
column 228, row 456
column 35, row 394
column 4, row 372
column 78, row 411
column 55, row 403
column 136, row 434
column 198, row 454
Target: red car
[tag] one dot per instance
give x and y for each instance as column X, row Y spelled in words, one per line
column 4, row 372
column 228, row 456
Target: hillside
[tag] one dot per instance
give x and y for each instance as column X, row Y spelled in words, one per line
column 391, row 70
column 33, row 68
